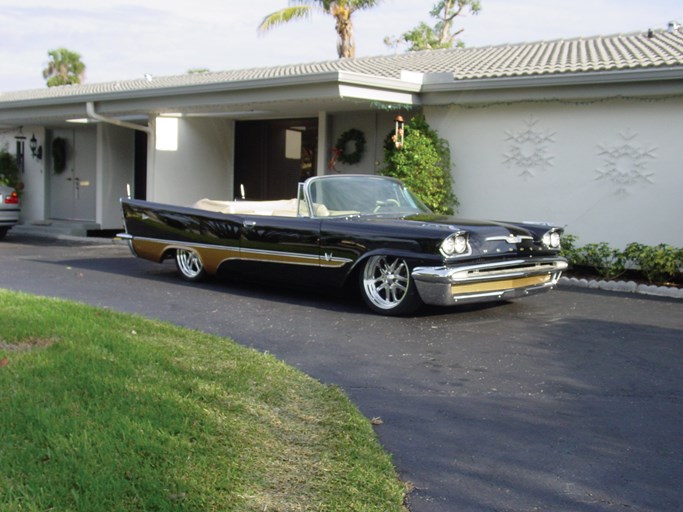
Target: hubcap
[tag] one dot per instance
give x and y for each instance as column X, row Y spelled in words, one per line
column 386, row 281
column 189, row 263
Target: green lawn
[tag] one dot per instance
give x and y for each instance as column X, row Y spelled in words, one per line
column 103, row 411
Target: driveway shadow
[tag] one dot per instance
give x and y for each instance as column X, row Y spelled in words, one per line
column 342, row 300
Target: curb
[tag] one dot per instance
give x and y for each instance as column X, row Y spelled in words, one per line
column 85, row 240
column 624, row 287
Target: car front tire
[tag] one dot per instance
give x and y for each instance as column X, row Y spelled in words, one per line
column 387, row 287
column 189, row 265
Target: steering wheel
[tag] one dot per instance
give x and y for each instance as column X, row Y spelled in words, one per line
column 388, row 202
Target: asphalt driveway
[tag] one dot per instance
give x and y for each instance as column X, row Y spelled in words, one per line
column 569, row 401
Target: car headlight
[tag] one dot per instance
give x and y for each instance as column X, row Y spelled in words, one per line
column 455, row 245
column 552, row 239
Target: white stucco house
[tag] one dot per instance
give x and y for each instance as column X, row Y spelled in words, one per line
column 586, row 133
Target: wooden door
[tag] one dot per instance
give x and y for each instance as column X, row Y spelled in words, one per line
column 272, row 157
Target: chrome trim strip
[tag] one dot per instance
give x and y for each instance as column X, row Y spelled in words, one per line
column 511, row 239
column 490, row 271
column 176, row 243
column 263, row 255
column 292, row 257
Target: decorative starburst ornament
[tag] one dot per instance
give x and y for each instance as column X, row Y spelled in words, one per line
column 626, row 162
column 529, row 149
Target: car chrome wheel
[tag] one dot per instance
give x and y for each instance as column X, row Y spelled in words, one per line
column 189, row 265
column 387, row 286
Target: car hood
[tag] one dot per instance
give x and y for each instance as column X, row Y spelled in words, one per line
column 445, row 224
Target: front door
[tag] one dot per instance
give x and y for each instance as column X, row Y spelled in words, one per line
column 272, row 157
column 286, row 246
column 72, row 186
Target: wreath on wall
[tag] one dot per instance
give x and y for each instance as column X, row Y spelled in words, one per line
column 59, row 155
column 350, row 136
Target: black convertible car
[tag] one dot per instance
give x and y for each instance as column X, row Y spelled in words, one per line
column 341, row 229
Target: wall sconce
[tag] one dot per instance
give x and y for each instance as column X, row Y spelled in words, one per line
column 36, row 150
column 398, row 132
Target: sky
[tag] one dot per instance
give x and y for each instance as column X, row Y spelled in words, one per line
column 118, row 40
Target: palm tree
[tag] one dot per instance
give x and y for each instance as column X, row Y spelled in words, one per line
column 340, row 10
column 65, row 68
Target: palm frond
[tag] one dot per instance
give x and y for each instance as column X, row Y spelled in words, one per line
column 284, row 16
column 359, row 5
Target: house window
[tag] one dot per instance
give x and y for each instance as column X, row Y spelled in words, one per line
column 167, row 134
column 293, row 144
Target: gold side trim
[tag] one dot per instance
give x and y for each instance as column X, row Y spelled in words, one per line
column 500, row 285
column 213, row 256
column 149, row 249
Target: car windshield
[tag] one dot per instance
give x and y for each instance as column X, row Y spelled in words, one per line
column 356, row 195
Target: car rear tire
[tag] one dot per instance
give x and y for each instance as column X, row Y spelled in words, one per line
column 387, row 287
column 3, row 232
column 189, row 265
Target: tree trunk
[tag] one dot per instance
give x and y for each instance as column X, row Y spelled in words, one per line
column 346, row 47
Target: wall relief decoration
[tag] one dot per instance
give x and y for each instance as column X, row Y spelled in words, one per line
column 626, row 162
column 529, row 149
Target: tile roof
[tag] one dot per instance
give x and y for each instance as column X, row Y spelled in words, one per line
column 659, row 49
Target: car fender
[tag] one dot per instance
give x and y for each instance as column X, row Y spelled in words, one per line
column 414, row 259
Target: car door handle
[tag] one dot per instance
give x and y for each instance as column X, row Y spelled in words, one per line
column 249, row 224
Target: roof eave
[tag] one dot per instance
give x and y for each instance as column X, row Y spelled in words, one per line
column 559, row 79
column 326, row 87
column 334, row 77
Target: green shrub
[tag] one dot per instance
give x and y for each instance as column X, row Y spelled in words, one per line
column 659, row 264
column 9, row 170
column 607, row 262
column 423, row 164
column 569, row 249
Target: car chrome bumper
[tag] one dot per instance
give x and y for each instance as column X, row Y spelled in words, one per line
column 9, row 217
column 502, row 280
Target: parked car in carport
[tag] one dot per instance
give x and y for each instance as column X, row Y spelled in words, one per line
column 9, row 209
